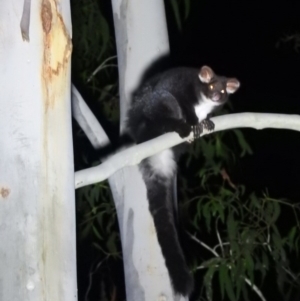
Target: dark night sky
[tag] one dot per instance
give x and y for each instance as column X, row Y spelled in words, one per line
column 238, row 38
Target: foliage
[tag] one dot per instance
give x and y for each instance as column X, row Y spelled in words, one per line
column 94, row 60
column 248, row 243
column 91, row 38
column 247, row 238
column 99, row 218
column 178, row 6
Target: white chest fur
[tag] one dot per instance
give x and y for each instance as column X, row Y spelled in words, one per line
column 205, row 106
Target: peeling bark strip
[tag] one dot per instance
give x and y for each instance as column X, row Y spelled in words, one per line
column 4, row 192
column 57, row 52
column 25, row 20
column 46, row 16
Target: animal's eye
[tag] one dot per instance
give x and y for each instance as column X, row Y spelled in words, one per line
column 211, row 87
column 222, row 91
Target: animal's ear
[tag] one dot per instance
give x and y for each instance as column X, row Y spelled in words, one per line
column 206, row 74
column 232, row 85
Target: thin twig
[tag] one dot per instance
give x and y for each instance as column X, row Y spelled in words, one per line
column 255, row 289
column 295, row 278
column 219, row 238
column 91, row 278
column 101, row 66
column 204, row 245
column 218, row 245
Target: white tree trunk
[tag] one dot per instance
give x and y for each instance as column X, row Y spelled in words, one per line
column 141, row 36
column 37, row 207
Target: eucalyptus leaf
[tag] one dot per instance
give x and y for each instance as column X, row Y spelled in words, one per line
column 246, row 149
column 222, row 275
column 208, row 282
column 175, row 7
column 229, row 286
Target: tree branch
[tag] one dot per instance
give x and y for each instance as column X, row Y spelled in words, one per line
column 135, row 154
column 87, row 120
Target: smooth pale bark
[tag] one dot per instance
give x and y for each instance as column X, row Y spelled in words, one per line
column 37, row 205
column 135, row 154
column 141, row 36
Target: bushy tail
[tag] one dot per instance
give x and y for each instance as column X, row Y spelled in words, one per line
column 160, row 205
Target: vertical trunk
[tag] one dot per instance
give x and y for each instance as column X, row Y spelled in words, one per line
column 37, row 207
column 141, row 35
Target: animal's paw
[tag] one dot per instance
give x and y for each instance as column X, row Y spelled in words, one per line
column 197, row 131
column 207, row 124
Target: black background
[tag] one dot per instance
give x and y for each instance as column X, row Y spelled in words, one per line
column 238, row 38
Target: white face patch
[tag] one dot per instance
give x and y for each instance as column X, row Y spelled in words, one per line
column 205, row 106
column 163, row 163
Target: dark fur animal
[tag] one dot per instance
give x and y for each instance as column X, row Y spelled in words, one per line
column 178, row 100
